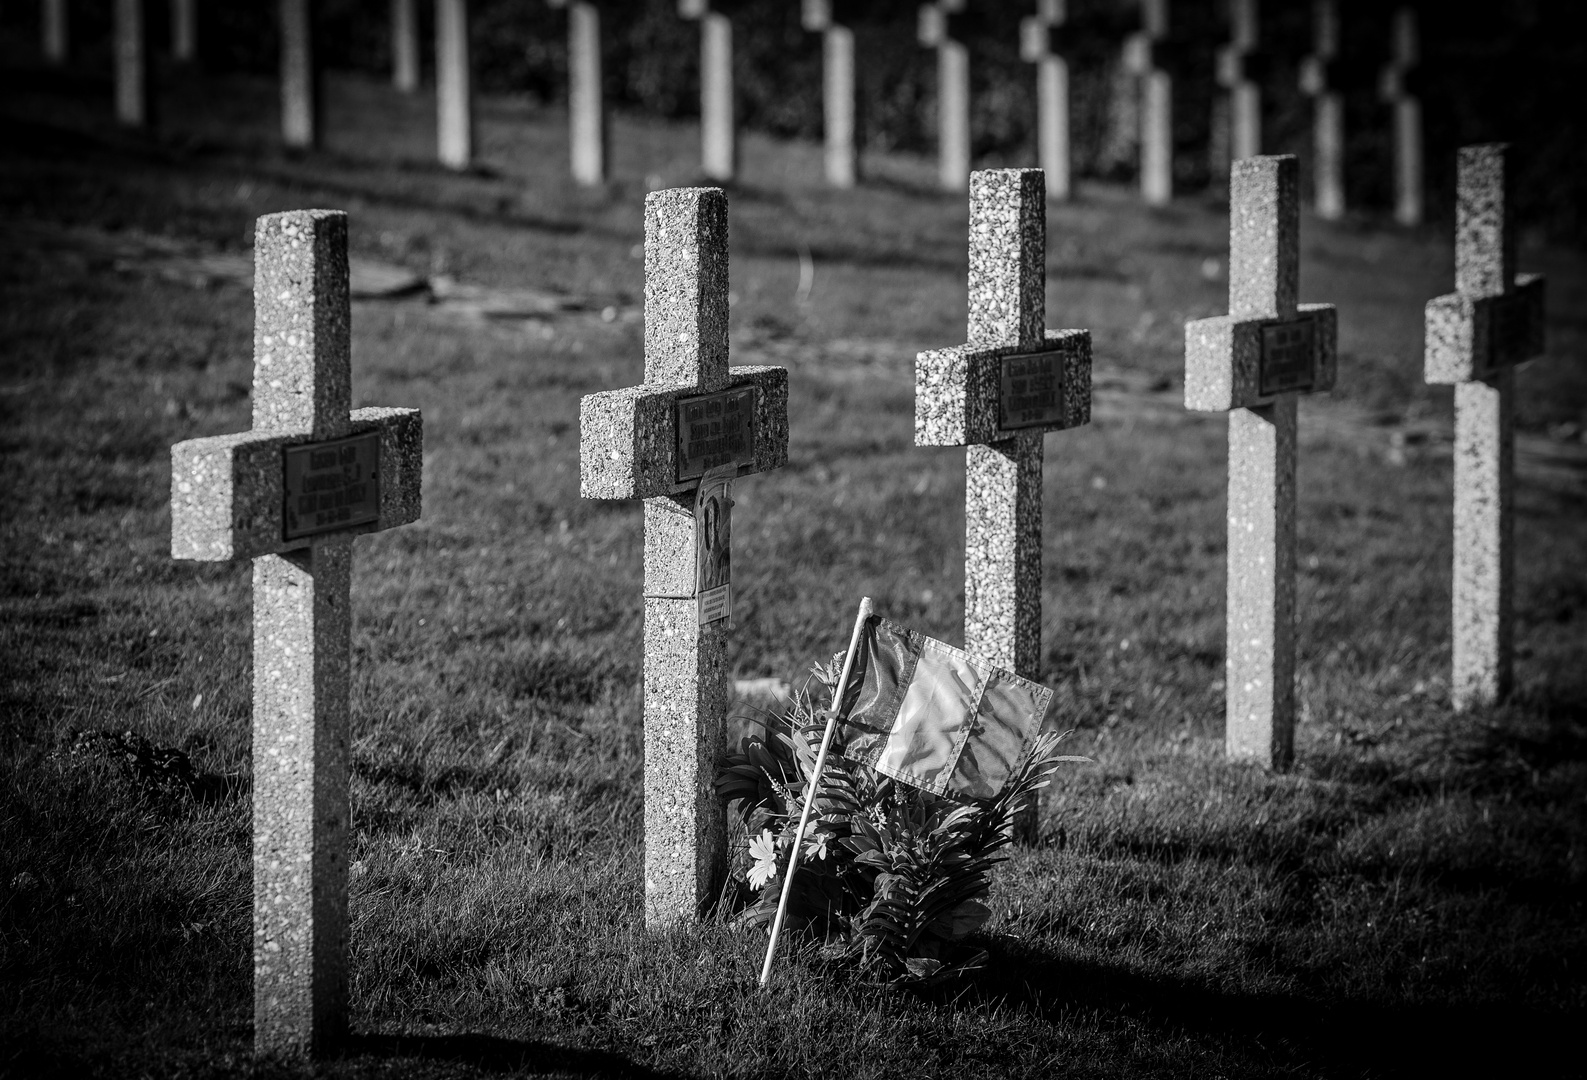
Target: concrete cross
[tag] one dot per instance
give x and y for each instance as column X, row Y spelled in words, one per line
column 53, row 31
column 1241, row 67
column 997, row 396
column 655, row 442
column 300, row 77
column 588, row 150
column 1253, row 363
column 942, row 27
column 839, row 104
column 291, row 495
column 1040, row 43
column 718, row 115
column 454, row 95
column 1156, row 56
column 1321, row 80
column 1475, row 337
column 1399, row 87
column 405, row 45
column 132, row 64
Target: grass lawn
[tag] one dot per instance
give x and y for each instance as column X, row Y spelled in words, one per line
column 1408, row 900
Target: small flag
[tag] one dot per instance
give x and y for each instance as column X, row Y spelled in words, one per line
column 934, row 717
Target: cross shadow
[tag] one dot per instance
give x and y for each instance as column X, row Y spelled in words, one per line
column 489, row 1053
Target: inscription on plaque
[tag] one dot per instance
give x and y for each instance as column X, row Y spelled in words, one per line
column 1032, row 390
column 331, row 485
column 1289, row 357
column 715, row 430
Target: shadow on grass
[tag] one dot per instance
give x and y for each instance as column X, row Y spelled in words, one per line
column 492, row 1054
column 1289, row 1031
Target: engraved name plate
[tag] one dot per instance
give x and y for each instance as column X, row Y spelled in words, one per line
column 1032, row 390
column 331, row 485
column 1289, row 357
column 715, row 430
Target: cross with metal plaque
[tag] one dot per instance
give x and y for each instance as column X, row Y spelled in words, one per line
column 676, row 441
column 1253, row 363
column 998, row 395
column 291, row 495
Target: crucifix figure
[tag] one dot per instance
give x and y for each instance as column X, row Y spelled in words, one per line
column 1253, row 363
column 1475, row 337
column 997, row 396
column 291, row 494
column 659, row 442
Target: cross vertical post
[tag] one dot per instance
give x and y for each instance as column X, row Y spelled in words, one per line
column 405, row 45
column 1319, row 78
column 1240, row 67
column 1475, row 336
column 587, row 145
column 997, row 396
column 1399, row 88
column 1040, row 44
column 132, row 65
column 655, row 442
column 184, row 30
column 941, row 27
column 291, row 494
column 718, row 114
column 1253, row 363
column 53, row 31
column 1154, row 55
column 300, row 89
column 839, row 103
column 454, row 96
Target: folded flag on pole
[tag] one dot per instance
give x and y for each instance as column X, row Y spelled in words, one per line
column 934, row 717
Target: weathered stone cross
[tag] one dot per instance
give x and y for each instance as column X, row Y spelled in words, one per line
column 997, row 396
column 1253, row 363
column 655, row 442
column 291, row 494
column 1475, row 337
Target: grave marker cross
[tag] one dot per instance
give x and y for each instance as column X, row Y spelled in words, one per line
column 942, row 26
column 718, row 114
column 1157, row 56
column 997, row 396
column 588, row 150
column 291, row 494
column 1399, row 87
column 838, row 100
column 1320, row 79
column 1040, row 43
column 1252, row 363
column 634, row 444
column 1241, row 67
column 1475, row 337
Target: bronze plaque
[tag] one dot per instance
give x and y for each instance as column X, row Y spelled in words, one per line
column 1032, row 387
column 331, row 485
column 1289, row 357
column 715, row 430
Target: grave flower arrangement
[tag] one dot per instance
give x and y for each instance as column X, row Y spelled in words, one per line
column 891, row 876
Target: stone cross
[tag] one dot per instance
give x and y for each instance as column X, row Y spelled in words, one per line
column 1320, row 80
column 291, row 495
column 1475, row 337
column 53, row 31
column 1153, row 54
column 300, row 90
column 184, row 30
column 132, row 65
column 997, row 396
column 941, row 27
column 405, row 45
column 454, row 98
column 838, row 101
column 1040, row 43
column 718, row 117
column 1241, row 66
column 1253, row 363
column 1399, row 86
column 586, row 99
column 644, row 443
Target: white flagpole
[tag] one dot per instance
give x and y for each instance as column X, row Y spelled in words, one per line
column 810, row 791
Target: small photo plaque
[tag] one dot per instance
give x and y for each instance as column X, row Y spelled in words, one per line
column 1289, row 357
column 331, row 485
column 1032, row 386
column 716, row 430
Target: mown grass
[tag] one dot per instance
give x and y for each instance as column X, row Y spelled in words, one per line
column 1408, row 900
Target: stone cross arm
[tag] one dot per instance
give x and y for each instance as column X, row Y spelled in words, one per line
column 630, row 442
column 1471, row 337
column 971, row 394
column 229, row 492
column 1238, row 363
